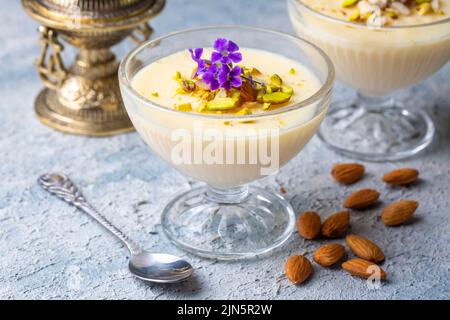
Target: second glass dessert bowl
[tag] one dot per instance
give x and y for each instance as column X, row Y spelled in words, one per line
column 375, row 61
column 227, row 219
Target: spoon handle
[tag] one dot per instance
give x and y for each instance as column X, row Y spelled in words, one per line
column 62, row 187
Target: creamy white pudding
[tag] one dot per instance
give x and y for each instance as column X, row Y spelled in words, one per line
column 286, row 133
column 374, row 56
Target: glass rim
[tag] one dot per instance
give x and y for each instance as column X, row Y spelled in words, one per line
column 359, row 25
column 325, row 88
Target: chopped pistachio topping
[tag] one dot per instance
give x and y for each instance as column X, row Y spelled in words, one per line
column 219, row 104
column 266, row 106
column 243, row 112
column 275, row 81
column 423, row 8
column 177, row 76
column 348, row 3
column 183, row 107
column 254, row 93
column 155, row 94
column 377, row 13
column 202, row 107
column 287, row 89
column 354, row 16
column 277, row 97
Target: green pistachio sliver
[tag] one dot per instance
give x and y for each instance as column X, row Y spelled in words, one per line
column 276, row 81
column 219, row 104
column 245, row 70
column 266, row 106
column 277, row 97
column 287, row 89
column 354, row 15
column 424, row 8
column 236, row 96
column 391, row 14
column 258, row 86
column 177, row 76
column 259, row 96
column 255, row 72
column 188, row 85
column 244, row 112
column 348, row 3
column 292, row 71
column 201, row 107
column 155, row 94
column 183, row 107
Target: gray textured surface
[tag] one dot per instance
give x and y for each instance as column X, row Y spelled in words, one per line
column 50, row 250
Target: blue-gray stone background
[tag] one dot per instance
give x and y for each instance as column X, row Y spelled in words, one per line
column 50, row 250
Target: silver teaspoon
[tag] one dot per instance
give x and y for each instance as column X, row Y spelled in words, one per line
column 154, row 267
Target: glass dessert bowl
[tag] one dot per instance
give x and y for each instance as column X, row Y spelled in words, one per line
column 227, row 112
column 377, row 49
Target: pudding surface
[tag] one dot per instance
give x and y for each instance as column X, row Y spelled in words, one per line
column 391, row 13
column 156, row 81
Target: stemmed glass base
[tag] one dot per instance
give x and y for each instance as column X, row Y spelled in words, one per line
column 376, row 129
column 235, row 223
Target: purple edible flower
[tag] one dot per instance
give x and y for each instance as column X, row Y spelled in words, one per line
column 226, row 51
column 220, row 72
column 210, row 77
column 230, row 77
column 196, row 55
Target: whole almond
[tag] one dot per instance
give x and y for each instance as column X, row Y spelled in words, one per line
column 364, row 248
column 401, row 177
column 298, row 269
column 336, row 224
column 361, row 199
column 329, row 254
column 363, row 268
column 399, row 212
column 347, row 173
column 308, row 225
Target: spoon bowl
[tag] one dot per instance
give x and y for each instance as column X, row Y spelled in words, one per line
column 159, row 267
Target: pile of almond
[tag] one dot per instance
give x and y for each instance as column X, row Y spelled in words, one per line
column 298, row 268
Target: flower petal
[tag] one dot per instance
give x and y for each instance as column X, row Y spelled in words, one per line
column 201, row 68
column 232, row 47
column 215, row 56
column 198, row 53
column 214, row 85
column 225, row 60
column 235, row 57
column 236, row 72
column 220, row 44
column 223, row 74
column 226, row 85
column 208, row 77
column 236, row 82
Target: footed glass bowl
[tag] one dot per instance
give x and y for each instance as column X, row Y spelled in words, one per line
column 227, row 219
column 375, row 62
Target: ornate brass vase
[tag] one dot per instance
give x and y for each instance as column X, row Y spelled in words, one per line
column 84, row 98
